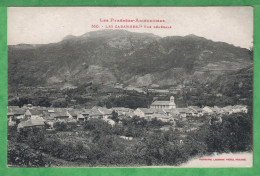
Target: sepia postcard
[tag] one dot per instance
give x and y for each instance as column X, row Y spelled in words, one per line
column 130, row 86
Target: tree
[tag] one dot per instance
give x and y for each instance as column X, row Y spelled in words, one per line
column 79, row 149
column 115, row 116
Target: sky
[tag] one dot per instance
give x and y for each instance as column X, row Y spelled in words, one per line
column 42, row 25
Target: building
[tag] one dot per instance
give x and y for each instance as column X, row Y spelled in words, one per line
column 144, row 112
column 80, row 117
column 164, row 104
column 95, row 113
column 14, row 112
column 172, row 112
column 162, row 117
column 31, row 123
column 207, row 110
column 73, row 114
column 33, row 113
column 86, row 113
column 183, row 112
column 105, row 112
column 122, row 110
column 61, row 116
column 197, row 112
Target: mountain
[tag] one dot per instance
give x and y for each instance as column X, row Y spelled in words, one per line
column 238, row 84
column 107, row 57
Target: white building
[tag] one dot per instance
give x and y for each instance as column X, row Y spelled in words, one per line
column 164, row 104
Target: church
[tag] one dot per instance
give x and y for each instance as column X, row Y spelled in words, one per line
column 164, row 104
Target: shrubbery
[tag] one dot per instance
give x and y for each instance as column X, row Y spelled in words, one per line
column 234, row 134
column 65, row 126
column 22, row 156
column 101, row 144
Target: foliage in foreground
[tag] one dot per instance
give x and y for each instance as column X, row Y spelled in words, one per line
column 96, row 143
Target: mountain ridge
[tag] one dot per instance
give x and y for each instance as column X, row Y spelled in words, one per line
column 119, row 56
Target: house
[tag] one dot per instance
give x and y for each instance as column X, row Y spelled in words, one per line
column 207, row 110
column 105, row 112
column 10, row 114
column 164, row 104
column 95, row 113
column 240, row 108
column 31, row 123
column 190, row 112
column 11, row 122
column 10, row 117
column 244, row 109
column 217, row 110
column 86, row 113
column 61, row 116
column 183, row 112
column 51, row 111
column 174, row 115
column 234, row 109
column 158, row 111
column 122, row 110
column 197, row 112
column 193, row 111
column 228, row 110
column 81, row 118
column 161, row 117
column 130, row 114
column 15, row 112
column 73, row 113
column 32, row 113
column 165, row 115
column 144, row 112
column 169, row 111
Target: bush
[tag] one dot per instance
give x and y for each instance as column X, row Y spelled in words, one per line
column 233, row 135
column 22, row 156
column 98, row 126
column 65, row 126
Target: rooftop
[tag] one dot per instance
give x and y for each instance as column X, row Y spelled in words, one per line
column 32, row 122
column 157, row 102
column 146, row 111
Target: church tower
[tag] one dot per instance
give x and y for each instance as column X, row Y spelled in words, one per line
column 172, row 104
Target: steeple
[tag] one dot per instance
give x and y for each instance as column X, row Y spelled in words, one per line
column 172, row 104
column 172, row 99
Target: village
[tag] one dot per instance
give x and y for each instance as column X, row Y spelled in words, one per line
column 91, row 93
column 30, row 116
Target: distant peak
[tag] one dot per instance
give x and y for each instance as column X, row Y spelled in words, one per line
column 192, row 35
column 68, row 37
column 195, row 37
